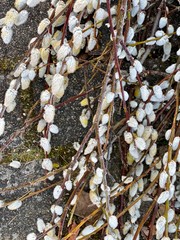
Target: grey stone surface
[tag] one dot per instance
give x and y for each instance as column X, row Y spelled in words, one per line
column 18, row 223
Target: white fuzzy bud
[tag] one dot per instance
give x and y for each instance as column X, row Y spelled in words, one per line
column 144, row 93
column 126, row 180
column 172, row 228
column 92, row 41
column 149, row 108
column 77, row 38
column 71, row 64
column 41, row 125
column 31, row 236
column 15, row 164
column 171, row 215
column 105, row 118
column 113, row 222
column 138, row 66
column 133, row 104
column 80, row 5
column 162, row 40
column 45, row 96
column 171, row 68
column 167, row 48
column 140, row 114
column 170, row 29
column 130, row 35
column 133, row 189
column 139, row 169
column 68, row 185
column 140, row 143
column 172, row 168
column 19, row 69
column 47, row 164
column 143, row 4
column 35, row 57
column 20, row 4
column 95, row 199
column 10, row 96
column 22, row 18
column 90, row 147
column 58, row 85
column 49, row 113
column 178, row 31
column 57, row 192
column 163, row 179
column 175, row 143
column 164, row 196
column 158, row 91
column 10, row 18
column 162, row 22
column 58, row 210
column 160, row 227
column 126, row 96
column 140, row 18
column 45, row 144
column 177, row 77
column 72, row 22
column 150, row 41
column 108, row 237
column 168, row 134
column 134, row 11
column 133, row 72
column 132, row 122
column 33, row 3
column 153, row 150
column 154, row 174
column 25, row 82
column 40, row 225
column 99, row 16
column 53, row 129
column 2, row 126
column 87, row 230
column 15, row 205
column 43, row 25
column 63, row 51
column 6, row 34
column 147, row 133
column 128, row 137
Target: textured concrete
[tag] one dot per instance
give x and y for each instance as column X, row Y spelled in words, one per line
column 17, row 224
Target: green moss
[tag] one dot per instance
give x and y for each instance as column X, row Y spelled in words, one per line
column 60, row 155
column 8, row 64
column 23, row 154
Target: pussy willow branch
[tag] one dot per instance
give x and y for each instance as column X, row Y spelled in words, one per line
column 170, row 150
column 67, row 206
column 96, row 127
column 117, row 195
column 34, row 44
column 34, row 182
column 29, row 121
column 146, row 215
column 149, row 48
column 125, row 210
column 64, row 31
column 116, row 57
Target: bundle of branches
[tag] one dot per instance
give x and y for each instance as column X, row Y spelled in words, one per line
column 129, row 112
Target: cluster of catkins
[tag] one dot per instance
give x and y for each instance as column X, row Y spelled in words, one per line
column 139, row 135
